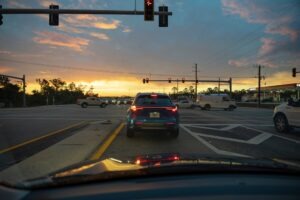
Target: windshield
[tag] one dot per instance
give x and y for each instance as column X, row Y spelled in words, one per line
column 150, row 100
column 97, row 80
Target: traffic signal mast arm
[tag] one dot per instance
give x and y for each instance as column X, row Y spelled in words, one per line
column 76, row 11
column 193, row 81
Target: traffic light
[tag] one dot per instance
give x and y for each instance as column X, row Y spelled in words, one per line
column 1, row 17
column 147, row 80
column 197, row 81
column 163, row 19
column 144, row 80
column 294, row 72
column 170, row 80
column 53, row 18
column 148, row 10
column 183, row 80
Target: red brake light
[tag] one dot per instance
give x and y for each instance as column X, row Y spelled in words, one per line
column 173, row 109
column 134, row 108
column 154, row 95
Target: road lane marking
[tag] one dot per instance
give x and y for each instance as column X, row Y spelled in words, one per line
column 259, row 138
column 213, row 148
column 96, row 155
column 222, row 124
column 40, row 138
column 287, row 162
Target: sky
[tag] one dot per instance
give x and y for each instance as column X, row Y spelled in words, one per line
column 113, row 53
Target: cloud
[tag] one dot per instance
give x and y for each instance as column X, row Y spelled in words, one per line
column 268, row 46
column 47, row 3
column 16, row 4
column 256, row 12
column 100, row 36
column 279, row 20
column 61, row 40
column 239, row 63
column 4, row 69
column 5, row 52
column 92, row 21
column 126, row 30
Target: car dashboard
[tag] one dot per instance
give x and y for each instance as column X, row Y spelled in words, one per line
column 208, row 186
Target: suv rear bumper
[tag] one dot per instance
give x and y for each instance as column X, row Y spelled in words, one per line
column 144, row 126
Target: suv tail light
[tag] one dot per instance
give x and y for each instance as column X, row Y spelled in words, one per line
column 134, row 108
column 173, row 109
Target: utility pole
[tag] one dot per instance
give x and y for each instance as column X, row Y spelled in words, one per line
column 23, row 83
column 24, row 90
column 259, row 85
column 230, row 87
column 219, row 85
column 196, row 81
column 177, row 87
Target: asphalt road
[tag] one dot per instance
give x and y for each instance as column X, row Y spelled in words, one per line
column 247, row 132
column 24, row 125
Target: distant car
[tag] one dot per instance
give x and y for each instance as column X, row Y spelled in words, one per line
column 152, row 111
column 286, row 116
column 184, row 102
column 223, row 101
column 92, row 101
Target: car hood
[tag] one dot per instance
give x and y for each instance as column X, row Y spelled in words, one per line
column 156, row 164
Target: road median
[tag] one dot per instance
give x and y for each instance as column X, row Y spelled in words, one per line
column 74, row 149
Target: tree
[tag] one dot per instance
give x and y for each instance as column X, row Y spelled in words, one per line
column 10, row 93
column 57, row 83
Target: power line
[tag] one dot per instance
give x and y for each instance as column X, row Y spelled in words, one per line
column 86, row 69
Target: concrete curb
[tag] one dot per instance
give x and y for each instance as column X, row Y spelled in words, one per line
column 89, row 157
column 71, row 128
column 72, row 150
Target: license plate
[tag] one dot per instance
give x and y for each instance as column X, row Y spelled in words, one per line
column 154, row 115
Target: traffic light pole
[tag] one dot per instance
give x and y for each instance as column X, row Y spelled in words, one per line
column 23, row 83
column 147, row 80
column 76, row 11
column 259, row 85
column 196, row 81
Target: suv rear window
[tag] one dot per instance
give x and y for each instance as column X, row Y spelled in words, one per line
column 153, row 100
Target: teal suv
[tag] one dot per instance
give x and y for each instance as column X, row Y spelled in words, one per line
column 152, row 112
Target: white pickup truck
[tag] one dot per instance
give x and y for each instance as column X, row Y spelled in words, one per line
column 92, row 101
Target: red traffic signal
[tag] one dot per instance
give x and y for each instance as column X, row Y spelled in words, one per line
column 294, row 72
column 148, row 10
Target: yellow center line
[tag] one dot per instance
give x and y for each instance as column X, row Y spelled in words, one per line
column 39, row 138
column 107, row 143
